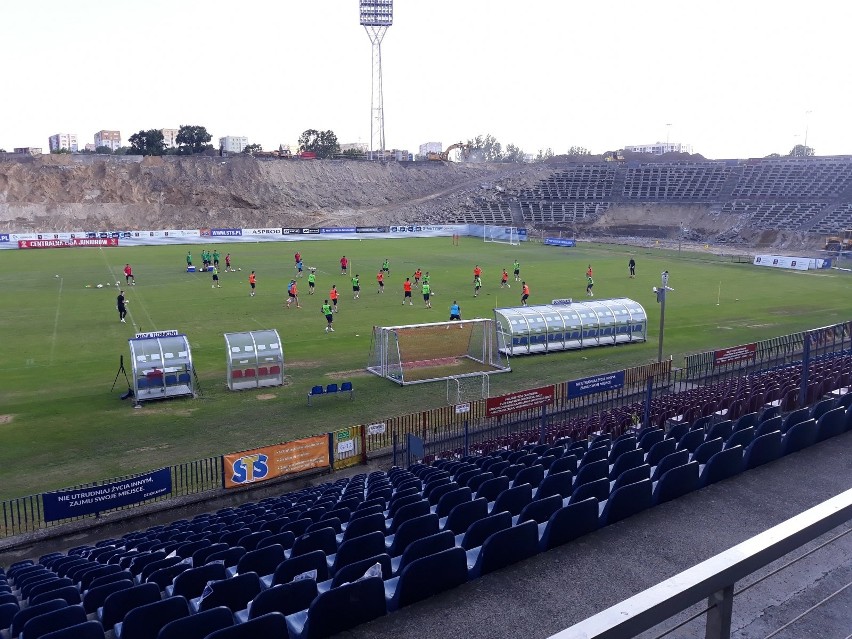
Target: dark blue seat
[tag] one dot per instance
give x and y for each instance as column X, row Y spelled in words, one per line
column 532, row 475
column 626, row 461
column 199, row 557
column 463, row 515
column 70, row 594
column 721, row 429
column 599, row 453
column 650, row 438
column 411, row 531
column 96, row 595
column 229, row 557
column 560, row 483
column 742, row 437
column 566, row 462
column 421, row 548
column 119, row 603
column 722, row 465
column 250, row 541
column 339, row 609
column 283, row 598
column 298, row 527
column 284, row 539
column 21, row 617
column 451, row 499
column 492, row 487
column 87, row 579
column 626, row 501
column 504, row 548
column 677, row 431
column 831, row 423
column 513, row 499
column 145, row 622
column 272, row 624
column 569, row 523
column 762, row 450
column 798, row 415
column 436, row 492
column 660, row 450
column 313, row 562
column 631, row 476
column 233, row 593
column 405, row 513
column 540, row 510
column 363, row 525
column 709, row 448
column 480, row 530
column 199, row 625
column 356, row 549
column 598, row 489
column 749, row 420
column 47, row 586
column 7, row 613
column 591, row 472
column 190, row 583
column 164, row 577
column 676, row 482
column 821, row 408
column 620, row 447
column 668, row 462
column 799, row 436
column 86, row 630
column 40, row 625
column 692, row 440
column 324, row 539
column 263, row 561
column 769, row 425
column 153, row 566
column 425, row 577
column 103, row 580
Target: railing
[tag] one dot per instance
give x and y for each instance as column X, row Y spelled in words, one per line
column 712, row 579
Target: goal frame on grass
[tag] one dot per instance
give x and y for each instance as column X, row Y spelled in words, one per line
column 501, row 234
column 420, row 353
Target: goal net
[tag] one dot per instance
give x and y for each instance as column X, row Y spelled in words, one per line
column 418, row 353
column 501, row 234
column 469, row 388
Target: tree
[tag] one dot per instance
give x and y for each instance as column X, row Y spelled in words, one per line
column 353, row 154
column 545, row 155
column 148, row 142
column 514, row 154
column 3, row 150
column 251, row 149
column 122, row 150
column 61, row 151
column 323, row 143
column 193, row 139
column 772, row 155
column 103, row 150
column 578, row 150
column 489, row 149
column 800, row 151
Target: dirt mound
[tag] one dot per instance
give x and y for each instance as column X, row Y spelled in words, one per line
column 63, row 193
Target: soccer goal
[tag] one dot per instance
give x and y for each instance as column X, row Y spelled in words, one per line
column 468, row 388
column 501, row 234
column 418, row 353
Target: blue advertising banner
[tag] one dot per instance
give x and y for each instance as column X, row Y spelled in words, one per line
column 65, row 504
column 338, row 229
column 225, row 232
column 596, row 384
column 371, row 229
column 4, row 237
column 560, row 241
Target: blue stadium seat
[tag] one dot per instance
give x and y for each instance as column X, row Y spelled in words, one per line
column 323, row 539
column 199, row 625
column 569, row 523
column 721, row 429
column 410, row 511
column 742, row 437
column 676, row 482
column 540, row 510
column 21, row 617
column 769, row 425
column 480, row 530
column 591, row 472
column 631, row 476
column 626, row 501
column 70, row 594
column 463, row 515
column 250, row 541
column 566, row 462
column 283, row 598
column 86, row 630
column 425, row 577
column 233, row 593
column 821, row 408
column 599, row 489
column 709, row 448
column 532, row 475
column 650, row 438
column 560, row 483
column 692, row 440
column 96, row 595
column 287, row 570
column 272, row 624
column 762, row 450
column 660, row 450
column 626, row 461
column 339, row 609
column 361, row 526
column 40, row 625
column 190, row 583
column 668, row 462
column 492, row 487
column 145, row 622
column 799, row 436
column 503, row 548
column 7, row 613
column 356, row 549
column 263, row 561
column 512, row 500
column 451, row 499
column 411, row 531
column 798, row 415
column 749, row 420
column 117, row 604
column 722, row 465
column 620, row 447
column 831, row 423
column 284, row 539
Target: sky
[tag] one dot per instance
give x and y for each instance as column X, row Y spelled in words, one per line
column 733, row 78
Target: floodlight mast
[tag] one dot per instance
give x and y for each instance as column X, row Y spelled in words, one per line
column 376, row 17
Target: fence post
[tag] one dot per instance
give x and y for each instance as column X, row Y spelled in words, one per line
column 541, row 435
column 363, row 444
column 466, row 438
column 806, row 361
column 649, row 394
column 721, row 606
column 393, row 437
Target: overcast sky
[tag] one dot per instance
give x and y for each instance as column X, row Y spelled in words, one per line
column 734, row 78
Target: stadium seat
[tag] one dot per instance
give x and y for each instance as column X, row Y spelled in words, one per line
column 8, row 611
column 560, row 483
column 356, row 549
column 410, row 531
column 762, row 450
column 190, row 583
column 512, row 500
column 626, row 501
column 117, row 604
column 540, row 510
column 233, row 593
column 69, row 594
column 626, row 461
column 742, row 437
column 771, row 424
column 692, row 440
column 722, row 465
column 86, row 630
column 503, row 548
column 566, row 462
column 145, row 622
column 569, row 523
column 339, row 609
column 463, row 515
column 799, row 436
column 660, row 450
column 420, row 548
column 40, row 625
column 599, row 489
column 314, row 392
column 110, row 578
column 631, row 476
column 480, row 530
column 831, row 423
column 591, row 472
column 263, row 561
column 821, row 408
column 96, row 595
column 425, row 577
column 324, row 539
column 451, row 499
column 312, row 562
column 709, row 448
column 676, row 482
column 20, row 619
column 331, row 389
column 284, row 598
column 199, row 625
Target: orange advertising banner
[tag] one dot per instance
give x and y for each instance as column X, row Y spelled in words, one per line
column 261, row 464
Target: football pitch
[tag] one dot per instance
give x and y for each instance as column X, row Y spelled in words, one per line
column 61, row 340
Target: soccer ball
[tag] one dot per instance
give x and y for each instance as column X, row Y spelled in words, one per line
column 239, row 269
column 100, row 285
column 118, row 283
column 107, row 283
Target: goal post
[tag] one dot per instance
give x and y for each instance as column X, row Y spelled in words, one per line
column 501, row 234
column 418, row 353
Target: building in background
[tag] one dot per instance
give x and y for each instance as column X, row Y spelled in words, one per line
column 112, row 139
column 63, row 141
column 28, row 150
column 357, row 147
column 90, row 147
column 170, row 137
column 430, row 147
column 660, row 148
column 233, row 144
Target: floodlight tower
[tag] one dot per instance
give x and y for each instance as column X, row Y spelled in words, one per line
column 376, row 17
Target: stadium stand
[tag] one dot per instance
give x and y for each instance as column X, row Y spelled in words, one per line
column 407, row 534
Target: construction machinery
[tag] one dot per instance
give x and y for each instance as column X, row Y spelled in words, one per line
column 444, row 156
column 838, row 243
column 614, row 156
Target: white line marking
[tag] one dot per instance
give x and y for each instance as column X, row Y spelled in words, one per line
column 56, row 321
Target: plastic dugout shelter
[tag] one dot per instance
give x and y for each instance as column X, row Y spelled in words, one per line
column 162, row 367
column 255, row 359
column 523, row 330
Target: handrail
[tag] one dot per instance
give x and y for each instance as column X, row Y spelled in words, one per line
column 712, row 579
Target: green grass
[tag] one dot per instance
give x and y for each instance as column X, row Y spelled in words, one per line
column 60, row 342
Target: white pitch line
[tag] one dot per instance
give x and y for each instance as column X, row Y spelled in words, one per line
column 56, row 320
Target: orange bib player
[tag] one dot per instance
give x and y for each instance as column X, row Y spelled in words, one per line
column 128, row 275
column 504, row 279
column 293, row 294
column 332, row 295
column 380, row 278
column 526, row 294
column 477, row 272
column 417, row 275
column 252, row 282
column 406, row 295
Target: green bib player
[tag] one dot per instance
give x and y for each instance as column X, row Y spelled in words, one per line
column 516, row 267
column 312, row 280
column 329, row 316
column 427, row 290
column 356, row 287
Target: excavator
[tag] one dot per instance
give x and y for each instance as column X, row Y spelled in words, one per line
column 837, row 243
column 444, row 156
column 614, row 156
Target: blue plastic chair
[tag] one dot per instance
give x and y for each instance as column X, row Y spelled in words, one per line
column 569, row 523
column 199, row 625
column 233, row 593
column 503, row 548
column 70, row 594
column 289, row 569
column 480, row 530
column 284, row 598
column 709, row 448
column 676, row 482
column 346, row 387
column 722, row 465
column 339, row 609
column 315, row 392
column 411, row 531
column 48, row 622
column 831, row 422
column 356, row 549
column 145, row 622
column 540, row 510
column 627, row 501
column 599, row 489
column 426, row 577
column 86, row 630
column 463, row 515
column 560, row 483
column 513, row 499
column 762, row 450
column 119, row 603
